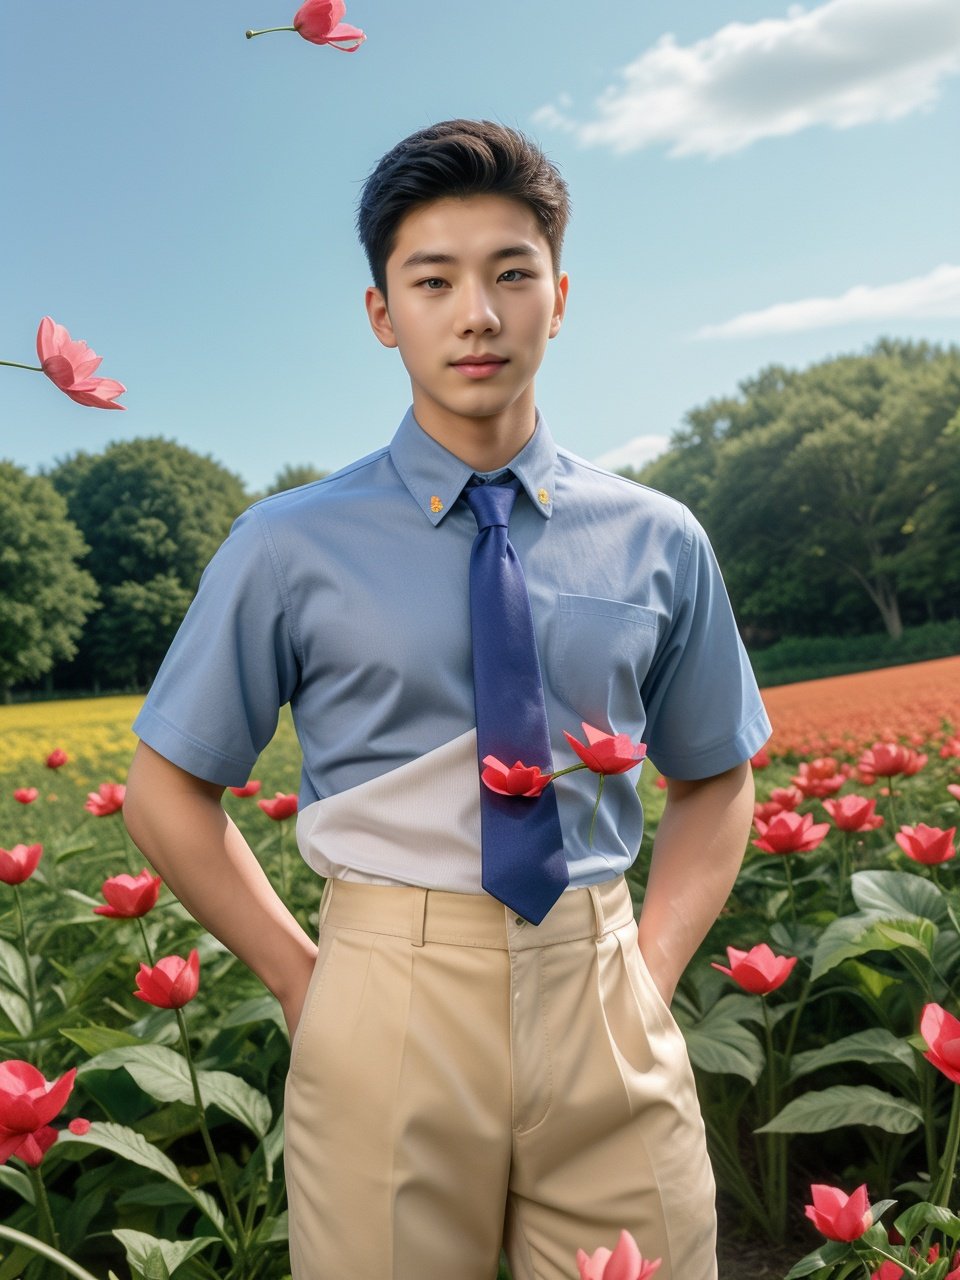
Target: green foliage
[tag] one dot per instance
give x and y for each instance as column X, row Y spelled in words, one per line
column 796, row 658
column 830, row 494
column 45, row 597
column 152, row 513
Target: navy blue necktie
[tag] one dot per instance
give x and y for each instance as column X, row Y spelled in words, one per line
column 522, row 844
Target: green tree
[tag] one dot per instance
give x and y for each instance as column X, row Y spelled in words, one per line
column 830, row 493
column 45, row 596
column 153, row 512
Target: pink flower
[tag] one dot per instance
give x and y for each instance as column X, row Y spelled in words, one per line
column 56, row 758
column 854, row 813
column 929, row 845
column 761, row 759
column 129, row 896
column 79, row 1126
column 319, row 22
column 513, row 780
column 106, row 800
column 26, row 795
column 624, row 1263
column 70, row 364
column 19, row 863
column 171, row 983
column 886, row 760
column 819, row 778
column 28, row 1102
column 838, row 1216
column 758, row 970
column 954, row 790
column 607, row 752
column 790, row 833
column 888, row 1271
column 950, row 748
column 280, row 807
column 941, row 1031
column 250, row 789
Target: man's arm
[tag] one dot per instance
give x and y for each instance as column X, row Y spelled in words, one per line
column 178, row 823
column 697, row 853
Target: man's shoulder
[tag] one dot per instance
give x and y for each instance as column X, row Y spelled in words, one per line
column 357, row 479
column 596, row 487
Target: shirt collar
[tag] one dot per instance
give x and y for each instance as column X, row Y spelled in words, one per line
column 435, row 477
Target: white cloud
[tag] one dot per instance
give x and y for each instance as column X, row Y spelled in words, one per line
column 934, row 296
column 635, row 453
column 844, row 63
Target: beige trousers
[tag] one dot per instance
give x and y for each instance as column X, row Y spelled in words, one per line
column 461, row 1079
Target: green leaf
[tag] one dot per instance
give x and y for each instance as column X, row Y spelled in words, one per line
column 912, row 1221
column 719, row 1044
column 256, row 1010
column 844, row 1104
column 13, row 971
column 132, row 1146
column 852, row 936
column 898, row 894
column 96, row 1039
column 874, row 1046
column 826, row 1256
column 16, row 1009
column 16, row 1181
column 165, row 1075
column 145, row 1252
column 890, row 935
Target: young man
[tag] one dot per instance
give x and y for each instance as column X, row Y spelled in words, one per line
column 461, row 1076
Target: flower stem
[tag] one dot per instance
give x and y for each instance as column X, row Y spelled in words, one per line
column 949, row 1163
column 146, row 941
column 593, row 819
column 266, row 30
column 776, row 1142
column 47, row 1228
column 225, row 1191
column 31, row 976
column 13, row 364
column 844, row 871
column 793, row 901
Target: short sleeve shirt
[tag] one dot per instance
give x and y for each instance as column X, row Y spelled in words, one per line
column 349, row 599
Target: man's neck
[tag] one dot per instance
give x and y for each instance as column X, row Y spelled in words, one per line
column 484, row 444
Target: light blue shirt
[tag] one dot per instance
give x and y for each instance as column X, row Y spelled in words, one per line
column 348, row 598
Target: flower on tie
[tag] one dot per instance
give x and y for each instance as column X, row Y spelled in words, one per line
column 513, row 780
column 838, row 1216
column 319, row 22
column 758, row 970
column 625, row 1262
column 69, row 364
column 171, row 983
column 129, row 896
column 607, row 752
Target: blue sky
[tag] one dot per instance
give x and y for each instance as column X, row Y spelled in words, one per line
column 752, row 183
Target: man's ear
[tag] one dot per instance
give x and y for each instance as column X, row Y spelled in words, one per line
column 379, row 316
column 560, row 303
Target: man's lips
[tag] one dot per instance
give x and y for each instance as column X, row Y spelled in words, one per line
column 482, row 359
column 482, row 366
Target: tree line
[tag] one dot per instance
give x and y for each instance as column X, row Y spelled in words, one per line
column 831, row 494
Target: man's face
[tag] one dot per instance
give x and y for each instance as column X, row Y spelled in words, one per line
column 470, row 278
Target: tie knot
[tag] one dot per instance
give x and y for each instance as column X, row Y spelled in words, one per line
column 492, row 503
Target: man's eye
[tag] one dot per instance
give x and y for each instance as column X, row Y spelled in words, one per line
column 516, row 273
column 433, row 284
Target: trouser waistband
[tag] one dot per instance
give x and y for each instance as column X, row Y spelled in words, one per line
column 473, row 919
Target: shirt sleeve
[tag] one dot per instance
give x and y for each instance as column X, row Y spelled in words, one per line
column 704, row 710
column 216, row 699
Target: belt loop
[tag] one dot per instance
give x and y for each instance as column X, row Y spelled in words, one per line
column 418, row 918
column 325, row 899
column 597, row 909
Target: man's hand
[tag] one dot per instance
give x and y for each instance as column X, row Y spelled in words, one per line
column 697, row 853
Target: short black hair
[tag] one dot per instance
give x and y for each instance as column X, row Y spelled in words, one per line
column 458, row 158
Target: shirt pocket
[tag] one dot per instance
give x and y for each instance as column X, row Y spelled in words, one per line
column 601, row 653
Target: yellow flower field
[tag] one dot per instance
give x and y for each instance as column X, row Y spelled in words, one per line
column 92, row 731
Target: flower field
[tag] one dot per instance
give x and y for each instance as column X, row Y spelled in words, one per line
column 142, row 1068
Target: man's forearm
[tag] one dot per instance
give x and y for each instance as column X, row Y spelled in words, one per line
column 697, row 853
column 179, row 825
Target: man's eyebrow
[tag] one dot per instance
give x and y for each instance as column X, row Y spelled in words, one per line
column 424, row 258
